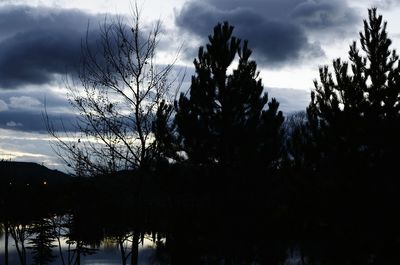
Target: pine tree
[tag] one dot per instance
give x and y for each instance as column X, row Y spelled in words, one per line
column 224, row 119
column 42, row 242
column 357, row 114
column 347, row 192
column 354, row 117
column 229, row 135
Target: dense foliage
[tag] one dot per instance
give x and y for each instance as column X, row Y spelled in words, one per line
column 225, row 119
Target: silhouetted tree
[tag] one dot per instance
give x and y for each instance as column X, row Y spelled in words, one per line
column 59, row 226
column 224, row 119
column 166, row 146
column 296, row 137
column 355, row 115
column 354, row 119
column 360, row 110
column 19, row 233
column 41, row 241
column 5, row 233
column 121, row 87
column 226, row 127
column 83, row 236
column 226, row 137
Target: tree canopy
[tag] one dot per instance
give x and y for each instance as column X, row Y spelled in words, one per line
column 355, row 110
column 225, row 118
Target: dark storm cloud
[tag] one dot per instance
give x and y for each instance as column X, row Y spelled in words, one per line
column 23, row 110
column 324, row 15
column 36, row 43
column 278, row 30
column 30, row 121
column 34, row 122
column 34, row 57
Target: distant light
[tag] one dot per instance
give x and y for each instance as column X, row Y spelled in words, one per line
column 27, row 184
column 44, row 182
column 10, row 183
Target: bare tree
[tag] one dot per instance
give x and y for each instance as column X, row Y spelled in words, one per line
column 19, row 232
column 4, row 232
column 121, row 86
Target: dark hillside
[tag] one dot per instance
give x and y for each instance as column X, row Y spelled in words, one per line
column 18, row 173
column 30, row 189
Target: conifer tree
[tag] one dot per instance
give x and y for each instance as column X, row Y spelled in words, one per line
column 348, row 186
column 354, row 121
column 355, row 111
column 224, row 119
column 42, row 242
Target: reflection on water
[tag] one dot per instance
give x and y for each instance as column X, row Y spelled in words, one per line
column 106, row 254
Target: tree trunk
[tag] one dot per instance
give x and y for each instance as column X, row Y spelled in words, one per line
column 60, row 250
column 78, row 253
column 17, row 235
column 122, row 249
column 6, row 243
column 23, row 252
column 135, row 248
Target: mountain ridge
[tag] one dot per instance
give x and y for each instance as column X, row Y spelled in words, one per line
column 30, row 173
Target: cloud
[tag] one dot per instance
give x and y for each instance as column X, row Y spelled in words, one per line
column 27, row 146
column 26, row 107
column 38, row 43
column 34, row 122
column 22, row 121
column 3, row 105
column 319, row 15
column 24, row 102
column 386, row 4
column 14, row 124
column 278, row 30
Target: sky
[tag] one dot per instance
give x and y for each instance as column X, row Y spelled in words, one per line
column 40, row 44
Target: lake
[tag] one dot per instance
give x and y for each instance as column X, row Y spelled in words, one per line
column 106, row 254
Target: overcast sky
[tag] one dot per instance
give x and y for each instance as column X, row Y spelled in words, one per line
column 40, row 45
